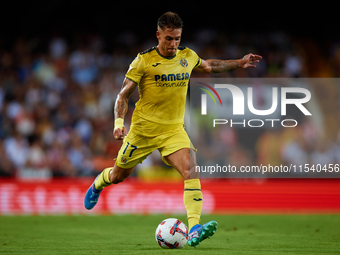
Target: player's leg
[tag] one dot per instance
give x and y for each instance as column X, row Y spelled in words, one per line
column 134, row 150
column 184, row 160
column 110, row 175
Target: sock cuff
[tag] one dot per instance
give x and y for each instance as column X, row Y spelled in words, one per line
column 192, row 184
column 194, row 216
column 106, row 175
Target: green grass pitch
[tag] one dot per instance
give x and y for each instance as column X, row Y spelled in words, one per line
column 135, row 234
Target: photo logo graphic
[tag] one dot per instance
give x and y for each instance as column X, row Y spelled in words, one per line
column 240, row 101
column 204, row 97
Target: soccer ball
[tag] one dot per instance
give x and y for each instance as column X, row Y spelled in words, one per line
column 171, row 234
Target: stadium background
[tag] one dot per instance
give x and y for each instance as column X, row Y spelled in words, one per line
column 62, row 64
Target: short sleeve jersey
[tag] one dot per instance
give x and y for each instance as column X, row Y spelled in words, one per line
column 162, row 85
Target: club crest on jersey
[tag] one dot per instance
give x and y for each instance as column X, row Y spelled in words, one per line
column 184, row 62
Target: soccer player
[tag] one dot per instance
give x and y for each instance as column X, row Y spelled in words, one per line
column 162, row 75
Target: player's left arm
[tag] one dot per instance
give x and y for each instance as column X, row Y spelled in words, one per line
column 220, row 66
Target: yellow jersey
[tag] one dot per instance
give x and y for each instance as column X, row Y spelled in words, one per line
column 162, row 86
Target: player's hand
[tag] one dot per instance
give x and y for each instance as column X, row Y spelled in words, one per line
column 119, row 134
column 250, row 59
column 120, row 131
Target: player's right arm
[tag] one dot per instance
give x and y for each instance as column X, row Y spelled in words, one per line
column 121, row 107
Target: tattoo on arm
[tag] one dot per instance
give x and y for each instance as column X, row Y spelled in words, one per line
column 121, row 105
column 219, row 66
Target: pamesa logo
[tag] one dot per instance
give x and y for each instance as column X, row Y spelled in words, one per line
column 238, row 105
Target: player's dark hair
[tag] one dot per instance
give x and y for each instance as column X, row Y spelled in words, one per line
column 170, row 20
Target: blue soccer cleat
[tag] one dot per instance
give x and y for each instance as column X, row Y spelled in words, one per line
column 91, row 197
column 198, row 233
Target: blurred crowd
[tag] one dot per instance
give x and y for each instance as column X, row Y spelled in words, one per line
column 57, row 94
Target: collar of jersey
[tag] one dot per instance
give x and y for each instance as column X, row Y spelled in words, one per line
column 163, row 55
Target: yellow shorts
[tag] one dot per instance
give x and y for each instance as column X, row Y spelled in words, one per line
column 136, row 147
